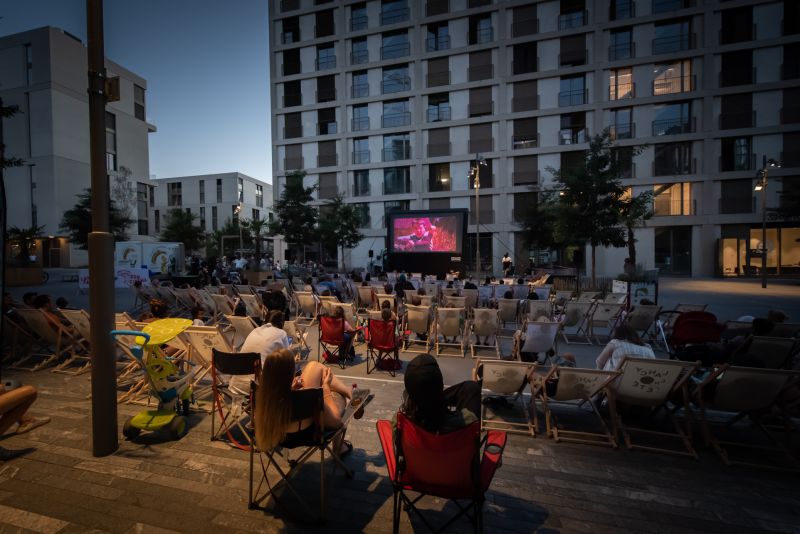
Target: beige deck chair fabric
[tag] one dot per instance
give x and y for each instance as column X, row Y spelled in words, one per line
column 417, row 321
column 223, row 305
column 326, row 304
column 200, row 341
column 538, row 309
column 536, row 337
column 771, row 352
column 244, row 289
column 455, row 302
column 81, row 324
column 576, row 315
column 206, row 301
column 390, row 298
column 507, row 379
column 470, row 299
column 55, row 340
column 240, row 327
column 450, row 324
column 308, row 305
column 605, row 316
column 348, row 311
column 642, row 319
column 366, row 298
column 449, row 292
column 508, row 311
column 588, row 296
column 616, row 298
column 485, row 324
column 254, row 305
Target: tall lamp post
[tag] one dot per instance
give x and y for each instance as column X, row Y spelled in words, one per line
column 761, row 185
column 237, row 211
column 32, row 184
column 475, row 172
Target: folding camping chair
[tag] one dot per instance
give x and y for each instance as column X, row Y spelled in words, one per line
column 241, row 328
column 230, row 406
column 506, row 379
column 536, row 337
column 418, row 322
column 485, row 324
column 382, row 344
column 331, row 340
column 52, row 338
column 450, row 323
column 440, row 465
column 605, row 315
column 576, row 315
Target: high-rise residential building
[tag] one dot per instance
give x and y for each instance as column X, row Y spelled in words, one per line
column 44, row 73
column 387, row 102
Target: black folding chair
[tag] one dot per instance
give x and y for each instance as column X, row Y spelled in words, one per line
column 230, row 407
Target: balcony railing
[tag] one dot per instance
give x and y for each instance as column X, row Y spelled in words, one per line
column 675, row 43
column 663, row 6
column 738, row 119
column 572, row 58
column 436, row 7
column 666, row 85
column 624, row 130
column 674, row 208
column 435, row 79
column 569, row 136
column 358, row 23
column 621, row 51
column 361, row 190
column 526, row 66
column 395, row 50
column 293, row 163
column 396, row 85
column 291, row 68
column 480, row 145
column 327, row 160
column 397, row 153
column 480, row 36
column 327, row 128
column 433, row 44
column 484, row 217
column 622, row 91
column 290, row 132
column 438, row 149
column 480, row 72
column 575, row 19
column 677, row 169
column 733, row 77
column 393, row 16
column 573, row 98
column 743, row 204
column 673, row 126
column 745, row 162
column 361, row 156
column 524, row 27
column 440, row 113
column 360, row 124
column 396, row 188
column 324, row 63
column 519, row 142
column 358, row 57
column 359, row 90
column 290, row 37
column 526, row 177
column 622, row 9
column 292, row 99
column 525, row 103
column 393, row 120
column 326, row 95
column 476, row 109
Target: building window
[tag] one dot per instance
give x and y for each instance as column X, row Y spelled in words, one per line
column 290, row 27
column 362, row 213
column 621, row 9
column 573, row 129
column 361, row 150
column 573, row 15
column 737, row 25
column 259, row 195
column 157, row 219
column 673, row 119
column 360, row 87
column 291, row 61
column 620, row 84
column 396, row 147
column 394, row 11
column 111, row 142
column 323, row 23
column 737, row 68
column 256, row 214
column 437, row 37
column 675, row 77
column 480, row 29
column 291, row 94
column 240, row 189
column 219, row 190
column 486, row 176
column 622, row 123
column 573, row 51
column 621, row 45
column 326, row 57
column 736, row 196
column 358, row 17
column 672, row 37
column 174, row 196
column 396, row 180
column 141, row 208
column 152, row 196
column 438, row 107
column 395, row 113
column 672, row 159
column 359, row 53
column 395, row 79
column 394, row 205
column 214, row 220
column 672, row 199
column 360, row 118
column 203, row 218
column 439, row 177
column 525, row 58
column 361, row 187
column 326, row 121
column 573, row 91
column 395, row 44
column 202, row 185
column 138, row 102
column 736, row 154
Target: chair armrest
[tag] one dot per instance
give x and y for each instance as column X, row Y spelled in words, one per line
column 494, row 443
column 386, row 435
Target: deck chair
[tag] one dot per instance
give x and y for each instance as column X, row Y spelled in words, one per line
column 537, row 309
column 240, row 327
column 616, row 298
column 254, row 305
column 243, row 289
column 485, row 324
column 184, row 299
column 542, row 292
column 417, row 321
column 770, row 352
column 381, row 346
column 306, row 403
column 539, row 337
column 743, row 392
column 431, row 289
column 455, row 302
column 326, row 304
column 298, row 337
column 785, row 330
column 470, row 299
column 573, row 384
column 390, row 298
column 650, row 383
column 588, row 296
column 576, row 315
column 141, row 297
column 427, row 300
column 206, row 301
column 16, row 339
column 606, row 315
column 366, row 298
column 485, row 295
column 408, row 294
column 53, row 339
column 200, row 342
column 331, row 340
column 223, row 305
column 508, row 312
column 164, row 292
column 81, row 325
column 506, row 379
column 450, row 323
column 449, row 466
column 230, row 408
column 561, row 298
column 308, row 306
column 520, row 291
column 642, row 318
column 449, row 292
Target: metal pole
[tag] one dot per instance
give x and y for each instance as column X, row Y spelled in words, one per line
column 477, row 217
column 764, row 229
column 101, row 249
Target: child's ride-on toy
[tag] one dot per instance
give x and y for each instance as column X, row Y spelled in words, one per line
column 167, row 382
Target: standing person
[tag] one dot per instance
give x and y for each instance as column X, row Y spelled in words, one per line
column 506, row 264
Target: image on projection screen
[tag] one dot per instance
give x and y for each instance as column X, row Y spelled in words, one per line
column 426, row 234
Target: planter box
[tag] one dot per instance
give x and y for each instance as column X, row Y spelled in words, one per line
column 638, row 290
column 24, row 276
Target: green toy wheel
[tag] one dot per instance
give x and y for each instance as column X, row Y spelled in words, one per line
column 130, row 431
column 178, row 427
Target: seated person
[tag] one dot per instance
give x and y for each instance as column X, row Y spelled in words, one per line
column 264, row 340
column 469, row 284
column 14, row 405
column 198, row 316
column 401, row 285
column 386, row 316
column 158, row 310
column 429, row 405
column 624, row 342
column 273, row 407
column 386, row 305
column 44, row 303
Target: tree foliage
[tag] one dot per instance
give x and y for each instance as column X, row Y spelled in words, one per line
column 636, row 210
column 257, row 229
column 6, row 112
column 295, row 219
column 25, row 239
column 231, row 229
column 180, row 228
column 77, row 222
column 339, row 225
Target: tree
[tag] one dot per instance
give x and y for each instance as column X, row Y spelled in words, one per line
column 230, row 228
column 339, row 225
column 179, row 228
column 123, row 192
column 636, row 210
column 538, row 222
column 6, row 112
column 295, row 219
column 256, row 228
column 25, row 239
column 77, row 222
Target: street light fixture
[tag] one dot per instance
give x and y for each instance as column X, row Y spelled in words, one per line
column 475, row 172
column 761, row 185
column 236, row 211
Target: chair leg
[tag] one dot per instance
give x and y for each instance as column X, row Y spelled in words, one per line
column 396, row 504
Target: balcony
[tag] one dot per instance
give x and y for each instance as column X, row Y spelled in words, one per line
column 476, row 109
column 289, row 5
column 326, row 95
column 292, row 99
column 621, row 91
column 359, row 90
column 530, row 64
column 394, row 16
column 573, row 58
column 790, row 114
column 436, row 150
column 624, row 130
column 327, row 160
column 621, row 51
column 436, row 7
column 525, row 103
column 358, row 23
column 569, row 136
column 394, row 120
column 290, row 37
column 666, row 85
column 483, row 217
column 675, row 168
column 395, row 50
column 293, row 163
column 524, row 27
column 357, row 57
column 440, row 113
column 480, row 145
column 526, row 177
column 744, row 162
column 480, row 72
column 394, row 188
column 435, row 79
column 671, row 208
column 625, row 9
column 290, row 132
column 361, row 156
column 361, row 189
column 434, row 44
column 291, row 68
column 519, row 142
column 396, row 85
column 480, row 36
column 676, row 43
column 359, row 124
column 729, row 205
column 397, row 153
column 664, row 6
column 739, row 119
column 733, row 77
column 673, row 126
column 575, row 19
column 573, row 98
column 327, row 128
column 325, row 63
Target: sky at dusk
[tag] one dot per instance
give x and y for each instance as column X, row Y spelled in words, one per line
column 206, row 63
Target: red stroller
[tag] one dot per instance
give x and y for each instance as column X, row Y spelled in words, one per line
column 691, row 332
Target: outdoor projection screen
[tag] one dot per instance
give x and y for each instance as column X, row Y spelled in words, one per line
column 426, row 232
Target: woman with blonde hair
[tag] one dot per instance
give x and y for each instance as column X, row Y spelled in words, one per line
column 273, row 406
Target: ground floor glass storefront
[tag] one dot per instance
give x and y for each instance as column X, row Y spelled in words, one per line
column 741, row 245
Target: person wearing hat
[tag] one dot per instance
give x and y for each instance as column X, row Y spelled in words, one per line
column 436, row 409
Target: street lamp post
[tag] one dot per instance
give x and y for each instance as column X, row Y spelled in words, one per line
column 761, row 185
column 32, row 184
column 475, row 172
column 237, row 212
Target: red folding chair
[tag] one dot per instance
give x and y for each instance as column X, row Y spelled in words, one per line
column 382, row 343
column 331, row 340
column 450, row 466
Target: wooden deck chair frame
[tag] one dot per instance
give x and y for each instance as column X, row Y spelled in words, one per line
column 228, row 408
column 643, row 319
column 539, row 337
column 307, row 304
column 574, row 384
column 239, row 328
column 366, row 299
column 445, row 319
column 299, row 338
column 485, row 323
column 722, row 391
column 507, row 379
column 81, row 324
column 53, row 338
column 202, row 340
column 579, row 319
column 417, row 320
column 605, row 315
column 651, row 383
column 507, row 309
column 254, row 305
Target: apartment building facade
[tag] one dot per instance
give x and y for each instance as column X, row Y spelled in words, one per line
column 44, row 72
column 388, row 102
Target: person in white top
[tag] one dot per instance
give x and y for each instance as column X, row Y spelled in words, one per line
column 625, row 342
column 263, row 340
